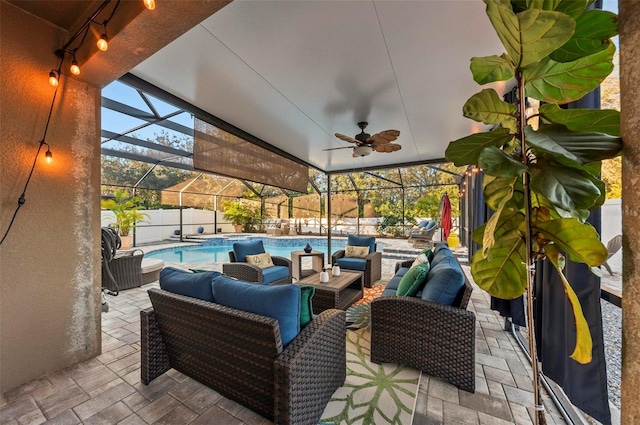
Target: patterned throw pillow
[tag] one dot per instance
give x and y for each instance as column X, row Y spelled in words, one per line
column 356, row 251
column 261, row 260
column 422, row 258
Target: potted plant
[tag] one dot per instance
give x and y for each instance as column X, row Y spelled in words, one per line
column 541, row 178
column 125, row 209
column 242, row 216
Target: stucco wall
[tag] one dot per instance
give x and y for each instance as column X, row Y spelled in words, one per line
column 49, row 263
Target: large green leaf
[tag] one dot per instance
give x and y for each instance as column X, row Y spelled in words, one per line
column 563, row 82
column 579, row 241
column 510, row 225
column 584, row 343
column 496, row 188
column 466, row 151
column 605, row 121
column 497, row 163
column 489, row 69
column 572, row 8
column 594, row 28
column 567, row 188
column 503, row 272
column 488, row 240
column 582, row 147
column 487, row 107
column 592, row 168
column 530, row 35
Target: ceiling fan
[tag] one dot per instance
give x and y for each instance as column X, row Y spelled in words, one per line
column 365, row 143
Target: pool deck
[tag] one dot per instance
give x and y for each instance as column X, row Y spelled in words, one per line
column 107, row 389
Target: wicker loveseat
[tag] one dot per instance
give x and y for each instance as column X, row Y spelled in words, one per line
column 241, row 355
column 436, row 338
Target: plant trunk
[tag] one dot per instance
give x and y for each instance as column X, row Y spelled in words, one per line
column 539, row 417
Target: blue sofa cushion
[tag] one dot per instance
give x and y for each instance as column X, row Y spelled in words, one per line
column 352, row 263
column 423, row 223
column 196, row 285
column 369, row 241
column 242, row 249
column 444, row 281
column 430, row 225
column 280, row 302
column 413, row 280
column 441, row 254
column 271, row 274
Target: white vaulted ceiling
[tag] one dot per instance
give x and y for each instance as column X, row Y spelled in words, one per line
column 293, row 73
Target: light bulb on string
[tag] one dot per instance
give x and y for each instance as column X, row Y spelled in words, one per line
column 74, row 69
column 103, row 42
column 54, row 77
column 149, row 4
column 48, row 155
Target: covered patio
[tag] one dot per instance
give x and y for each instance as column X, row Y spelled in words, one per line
column 58, row 354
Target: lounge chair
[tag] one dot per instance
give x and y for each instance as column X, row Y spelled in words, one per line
column 613, row 246
column 423, row 236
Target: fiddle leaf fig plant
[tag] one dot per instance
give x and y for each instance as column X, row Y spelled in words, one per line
column 541, row 171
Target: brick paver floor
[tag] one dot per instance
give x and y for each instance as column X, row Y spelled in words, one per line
column 107, row 389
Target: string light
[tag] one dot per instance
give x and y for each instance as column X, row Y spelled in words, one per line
column 103, row 42
column 54, row 76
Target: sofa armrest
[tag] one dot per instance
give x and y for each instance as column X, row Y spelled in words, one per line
column 400, row 264
column 432, row 337
column 281, row 261
column 310, row 369
column 338, row 254
column 243, row 271
column 154, row 360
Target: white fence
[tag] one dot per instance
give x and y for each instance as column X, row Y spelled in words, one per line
column 164, row 223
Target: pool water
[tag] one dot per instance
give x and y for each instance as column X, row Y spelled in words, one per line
column 217, row 250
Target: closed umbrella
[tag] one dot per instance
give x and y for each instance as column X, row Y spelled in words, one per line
column 445, row 216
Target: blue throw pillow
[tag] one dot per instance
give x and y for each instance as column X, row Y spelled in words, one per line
column 196, row 285
column 423, row 223
column 444, row 281
column 369, row 241
column 281, row 302
column 242, row 249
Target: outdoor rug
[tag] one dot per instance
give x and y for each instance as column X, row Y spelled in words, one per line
column 372, row 393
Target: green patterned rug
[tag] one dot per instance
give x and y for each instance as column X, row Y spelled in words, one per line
column 372, row 393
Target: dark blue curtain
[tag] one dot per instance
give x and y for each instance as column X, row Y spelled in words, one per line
column 585, row 385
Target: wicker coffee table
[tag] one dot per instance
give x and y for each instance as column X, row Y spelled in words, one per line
column 340, row 292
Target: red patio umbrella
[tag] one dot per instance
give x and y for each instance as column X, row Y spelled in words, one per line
column 445, row 216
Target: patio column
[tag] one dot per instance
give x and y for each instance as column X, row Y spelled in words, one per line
column 630, row 123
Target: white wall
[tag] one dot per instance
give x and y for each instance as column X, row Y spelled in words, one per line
column 162, row 224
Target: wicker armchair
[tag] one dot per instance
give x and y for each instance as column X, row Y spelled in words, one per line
column 126, row 269
column 240, row 355
column 250, row 273
column 373, row 267
column 435, row 338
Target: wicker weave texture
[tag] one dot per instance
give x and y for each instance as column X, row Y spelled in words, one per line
column 126, row 270
column 250, row 273
column 373, row 269
column 237, row 353
column 435, row 338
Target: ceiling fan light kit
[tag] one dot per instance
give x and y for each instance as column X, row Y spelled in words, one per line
column 362, row 150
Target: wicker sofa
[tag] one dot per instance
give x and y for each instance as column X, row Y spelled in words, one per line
column 435, row 338
column 241, row 355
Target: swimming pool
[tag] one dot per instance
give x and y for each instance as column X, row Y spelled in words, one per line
column 216, row 250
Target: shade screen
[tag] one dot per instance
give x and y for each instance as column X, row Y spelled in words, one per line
column 220, row 152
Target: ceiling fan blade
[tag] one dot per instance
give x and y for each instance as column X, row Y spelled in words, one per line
column 346, row 138
column 333, row 149
column 388, row 147
column 383, row 137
